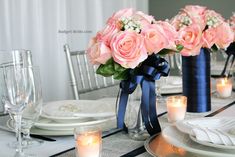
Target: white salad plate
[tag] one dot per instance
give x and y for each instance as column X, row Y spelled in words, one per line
column 48, row 124
column 181, row 140
column 74, row 110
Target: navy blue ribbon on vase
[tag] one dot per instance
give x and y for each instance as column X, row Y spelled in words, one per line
column 150, row 70
column 196, row 81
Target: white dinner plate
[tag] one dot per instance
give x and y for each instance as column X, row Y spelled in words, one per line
column 179, row 139
column 38, row 131
column 74, row 110
column 48, row 124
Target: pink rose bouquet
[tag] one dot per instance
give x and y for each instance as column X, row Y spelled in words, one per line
column 127, row 40
column 200, row 27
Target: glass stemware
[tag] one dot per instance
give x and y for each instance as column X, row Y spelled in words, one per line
column 18, row 89
column 178, row 61
column 11, row 58
column 159, row 84
column 34, row 105
column 32, row 110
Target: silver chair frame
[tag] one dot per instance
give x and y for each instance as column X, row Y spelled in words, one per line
column 74, row 84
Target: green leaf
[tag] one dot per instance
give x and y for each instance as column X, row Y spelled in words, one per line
column 106, row 69
column 214, row 48
column 121, row 75
column 164, row 52
column 179, row 47
column 118, row 67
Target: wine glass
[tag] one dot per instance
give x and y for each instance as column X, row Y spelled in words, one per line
column 159, row 84
column 11, row 58
column 178, row 61
column 18, row 91
column 32, row 110
column 34, row 106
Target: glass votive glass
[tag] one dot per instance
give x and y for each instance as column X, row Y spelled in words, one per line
column 224, row 87
column 88, row 141
column 176, row 108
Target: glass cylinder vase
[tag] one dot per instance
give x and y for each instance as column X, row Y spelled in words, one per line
column 196, row 81
column 133, row 119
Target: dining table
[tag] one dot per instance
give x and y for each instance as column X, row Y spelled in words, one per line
column 115, row 141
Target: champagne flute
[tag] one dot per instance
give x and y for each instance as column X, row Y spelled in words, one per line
column 17, row 85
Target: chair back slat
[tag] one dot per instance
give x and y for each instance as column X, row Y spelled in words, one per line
column 80, row 71
column 83, row 74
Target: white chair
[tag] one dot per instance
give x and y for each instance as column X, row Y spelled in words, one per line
column 83, row 75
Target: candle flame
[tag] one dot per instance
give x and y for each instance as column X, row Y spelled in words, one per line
column 224, row 81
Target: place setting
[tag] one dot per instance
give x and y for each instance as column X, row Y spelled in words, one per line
column 133, row 86
column 207, row 136
column 61, row 117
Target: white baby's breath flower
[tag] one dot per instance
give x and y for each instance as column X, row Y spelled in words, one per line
column 137, row 30
column 126, row 27
column 130, row 23
column 212, row 21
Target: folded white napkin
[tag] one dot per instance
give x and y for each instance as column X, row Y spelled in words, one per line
column 214, row 135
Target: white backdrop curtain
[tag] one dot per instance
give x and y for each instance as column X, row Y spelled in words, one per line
column 40, row 26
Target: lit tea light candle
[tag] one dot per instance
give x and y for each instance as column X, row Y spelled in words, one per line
column 88, row 143
column 176, row 108
column 224, row 87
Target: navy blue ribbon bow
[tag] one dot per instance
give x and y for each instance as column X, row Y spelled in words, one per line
column 145, row 75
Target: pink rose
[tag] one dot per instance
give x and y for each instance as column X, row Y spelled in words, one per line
column 194, row 10
column 154, row 38
column 144, row 19
column 128, row 12
column 170, row 33
column 128, row 49
column 225, row 35
column 191, row 38
column 107, row 33
column 98, row 52
column 212, row 13
column 197, row 14
column 176, row 21
column 209, row 37
column 144, row 16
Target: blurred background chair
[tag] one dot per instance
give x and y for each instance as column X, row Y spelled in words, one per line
column 84, row 78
